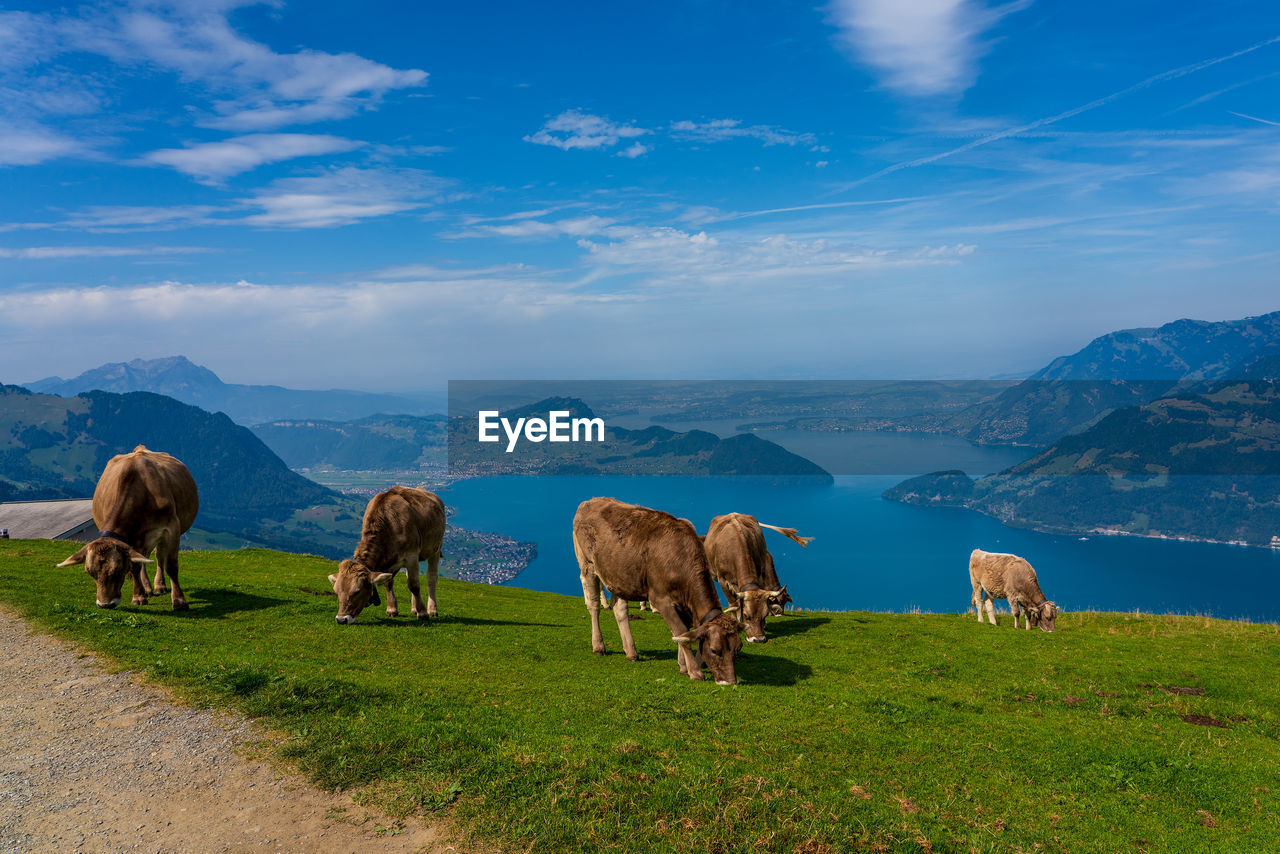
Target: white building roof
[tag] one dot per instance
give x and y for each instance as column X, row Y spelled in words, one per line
column 67, row 519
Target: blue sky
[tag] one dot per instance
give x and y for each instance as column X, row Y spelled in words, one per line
column 386, row 195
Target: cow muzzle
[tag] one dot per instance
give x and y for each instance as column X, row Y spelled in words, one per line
column 761, row 639
column 111, row 604
column 344, row 620
column 718, row 682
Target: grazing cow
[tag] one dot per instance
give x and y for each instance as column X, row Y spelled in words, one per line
column 1004, row 576
column 741, row 562
column 401, row 527
column 144, row 500
column 640, row 554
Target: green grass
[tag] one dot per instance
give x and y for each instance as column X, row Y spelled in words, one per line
column 853, row 731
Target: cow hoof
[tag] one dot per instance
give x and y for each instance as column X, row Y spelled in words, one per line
column 160, row 589
column 391, row 613
column 138, row 600
column 635, row 657
column 431, row 612
column 598, row 650
column 696, row 677
column 181, row 605
column 420, row 616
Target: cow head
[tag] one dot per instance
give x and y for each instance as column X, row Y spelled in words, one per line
column 778, row 601
column 108, row 561
column 357, row 588
column 718, row 645
column 1043, row 615
column 753, row 608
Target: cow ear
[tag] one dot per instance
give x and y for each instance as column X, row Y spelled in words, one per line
column 76, row 558
column 138, row 557
column 383, row 577
column 333, row 579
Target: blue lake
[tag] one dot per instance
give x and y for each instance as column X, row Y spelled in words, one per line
column 872, row 554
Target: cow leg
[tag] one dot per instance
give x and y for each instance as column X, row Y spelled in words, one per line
column 591, row 595
column 624, row 628
column 978, row 596
column 433, row 572
column 158, row 585
column 991, row 610
column 393, row 607
column 140, row 587
column 418, row 608
column 167, row 557
column 689, row 664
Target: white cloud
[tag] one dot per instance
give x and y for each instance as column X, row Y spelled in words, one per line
column 576, row 129
column 919, row 47
column 342, row 197
column 670, row 254
column 250, row 86
column 719, row 130
column 26, row 146
column 520, row 227
column 329, row 198
column 636, row 149
column 66, row 252
column 213, row 161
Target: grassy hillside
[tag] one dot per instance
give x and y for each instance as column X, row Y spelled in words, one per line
column 852, row 731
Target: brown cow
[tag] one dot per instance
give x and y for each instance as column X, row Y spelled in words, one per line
column 144, row 500
column 741, row 562
column 401, row 527
column 640, row 554
column 1005, row 576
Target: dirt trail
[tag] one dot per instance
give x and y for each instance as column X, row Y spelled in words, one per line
column 97, row 761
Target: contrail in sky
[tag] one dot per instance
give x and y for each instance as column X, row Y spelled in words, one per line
column 1107, row 99
column 1255, row 118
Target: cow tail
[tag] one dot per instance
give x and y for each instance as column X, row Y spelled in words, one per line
column 790, row 534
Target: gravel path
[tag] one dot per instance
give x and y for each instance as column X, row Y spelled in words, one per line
column 98, row 761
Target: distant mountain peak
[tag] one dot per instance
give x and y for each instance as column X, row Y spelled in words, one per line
column 182, row 379
column 1184, row 349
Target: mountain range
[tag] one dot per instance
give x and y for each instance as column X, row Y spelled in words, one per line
column 180, row 378
column 652, row 450
column 57, row 447
column 1168, row 432
column 1131, row 367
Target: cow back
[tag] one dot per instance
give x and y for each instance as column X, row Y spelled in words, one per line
column 144, row 490
column 641, row 553
column 736, row 551
column 399, row 522
column 1000, row 574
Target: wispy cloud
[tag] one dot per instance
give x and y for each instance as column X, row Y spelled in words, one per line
column 924, row 47
column 245, row 85
column 342, row 197
column 56, row 253
column 1172, row 74
column 576, row 129
column 536, row 228
column 671, row 254
column 27, row 146
column 214, row 161
column 1254, row 119
column 719, row 130
column 328, row 198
